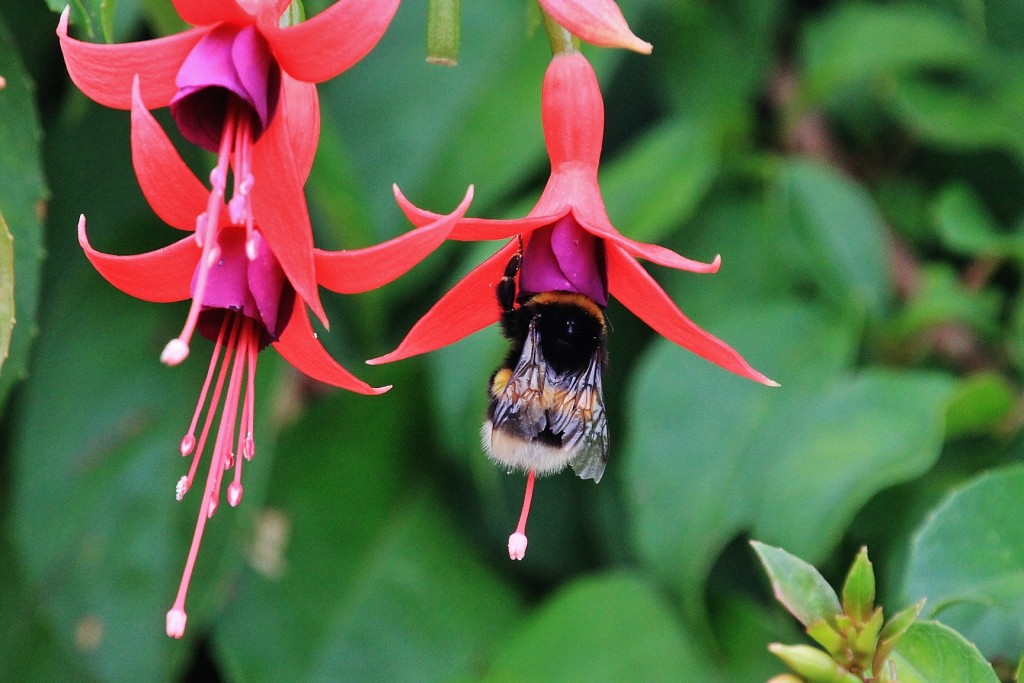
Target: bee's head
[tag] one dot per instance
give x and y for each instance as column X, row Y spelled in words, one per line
column 569, row 333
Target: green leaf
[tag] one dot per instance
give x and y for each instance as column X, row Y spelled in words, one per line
column 793, row 465
column 980, row 407
column 7, row 311
column 960, row 118
column 605, row 628
column 838, row 226
column 930, row 652
column 967, row 227
column 22, row 204
column 103, row 542
column 28, row 650
column 798, row 586
column 860, row 42
column 657, row 184
column 367, row 575
column 968, row 560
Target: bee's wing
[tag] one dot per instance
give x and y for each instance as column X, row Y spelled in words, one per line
column 580, row 418
column 520, row 408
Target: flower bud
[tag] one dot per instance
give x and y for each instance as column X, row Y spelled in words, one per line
column 813, row 664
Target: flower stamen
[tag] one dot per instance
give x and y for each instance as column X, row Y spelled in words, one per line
column 517, row 541
column 177, row 349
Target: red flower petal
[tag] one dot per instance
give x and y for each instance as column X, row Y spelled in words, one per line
column 468, row 307
column 474, row 229
column 299, row 346
column 159, row 276
column 360, row 270
column 105, row 72
column 205, row 12
column 170, row 187
column 332, row 41
column 598, row 22
column 279, row 206
column 636, row 289
column 300, row 105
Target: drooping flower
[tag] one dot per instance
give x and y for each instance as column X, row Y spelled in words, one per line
column 569, row 245
column 226, row 81
column 598, row 22
column 242, row 298
column 569, row 241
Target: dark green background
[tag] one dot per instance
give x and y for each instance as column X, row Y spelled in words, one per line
column 858, row 165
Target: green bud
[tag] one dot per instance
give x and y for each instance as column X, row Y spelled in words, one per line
column 867, row 639
column 859, row 589
column 813, row 664
column 825, row 635
column 892, row 631
column 786, row 678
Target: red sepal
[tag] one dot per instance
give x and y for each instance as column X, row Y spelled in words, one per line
column 360, row 270
column 636, row 290
column 279, row 206
column 598, row 22
column 159, row 276
column 469, row 306
column 206, row 12
column 322, row 47
column 172, row 190
column 105, row 72
column 299, row 346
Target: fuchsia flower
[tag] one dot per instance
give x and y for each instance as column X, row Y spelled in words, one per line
column 226, row 80
column 242, row 298
column 569, row 242
column 569, row 245
column 598, row 22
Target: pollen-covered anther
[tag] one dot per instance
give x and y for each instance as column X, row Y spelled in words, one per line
column 237, row 207
column 234, row 493
column 252, row 245
column 181, row 488
column 175, row 352
column 176, row 619
column 517, row 546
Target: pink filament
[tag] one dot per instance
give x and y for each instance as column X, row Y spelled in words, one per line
column 240, row 355
column 206, row 236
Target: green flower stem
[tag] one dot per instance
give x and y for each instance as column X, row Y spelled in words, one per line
column 562, row 42
column 443, row 23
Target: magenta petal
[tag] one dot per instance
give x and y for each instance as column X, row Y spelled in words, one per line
column 270, row 289
column 581, row 257
column 564, row 257
column 227, row 61
column 228, row 283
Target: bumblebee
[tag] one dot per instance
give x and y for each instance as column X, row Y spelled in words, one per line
column 546, row 406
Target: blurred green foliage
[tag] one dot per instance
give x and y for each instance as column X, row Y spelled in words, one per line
column 859, row 167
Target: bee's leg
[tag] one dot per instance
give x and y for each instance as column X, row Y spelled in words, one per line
column 507, row 285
